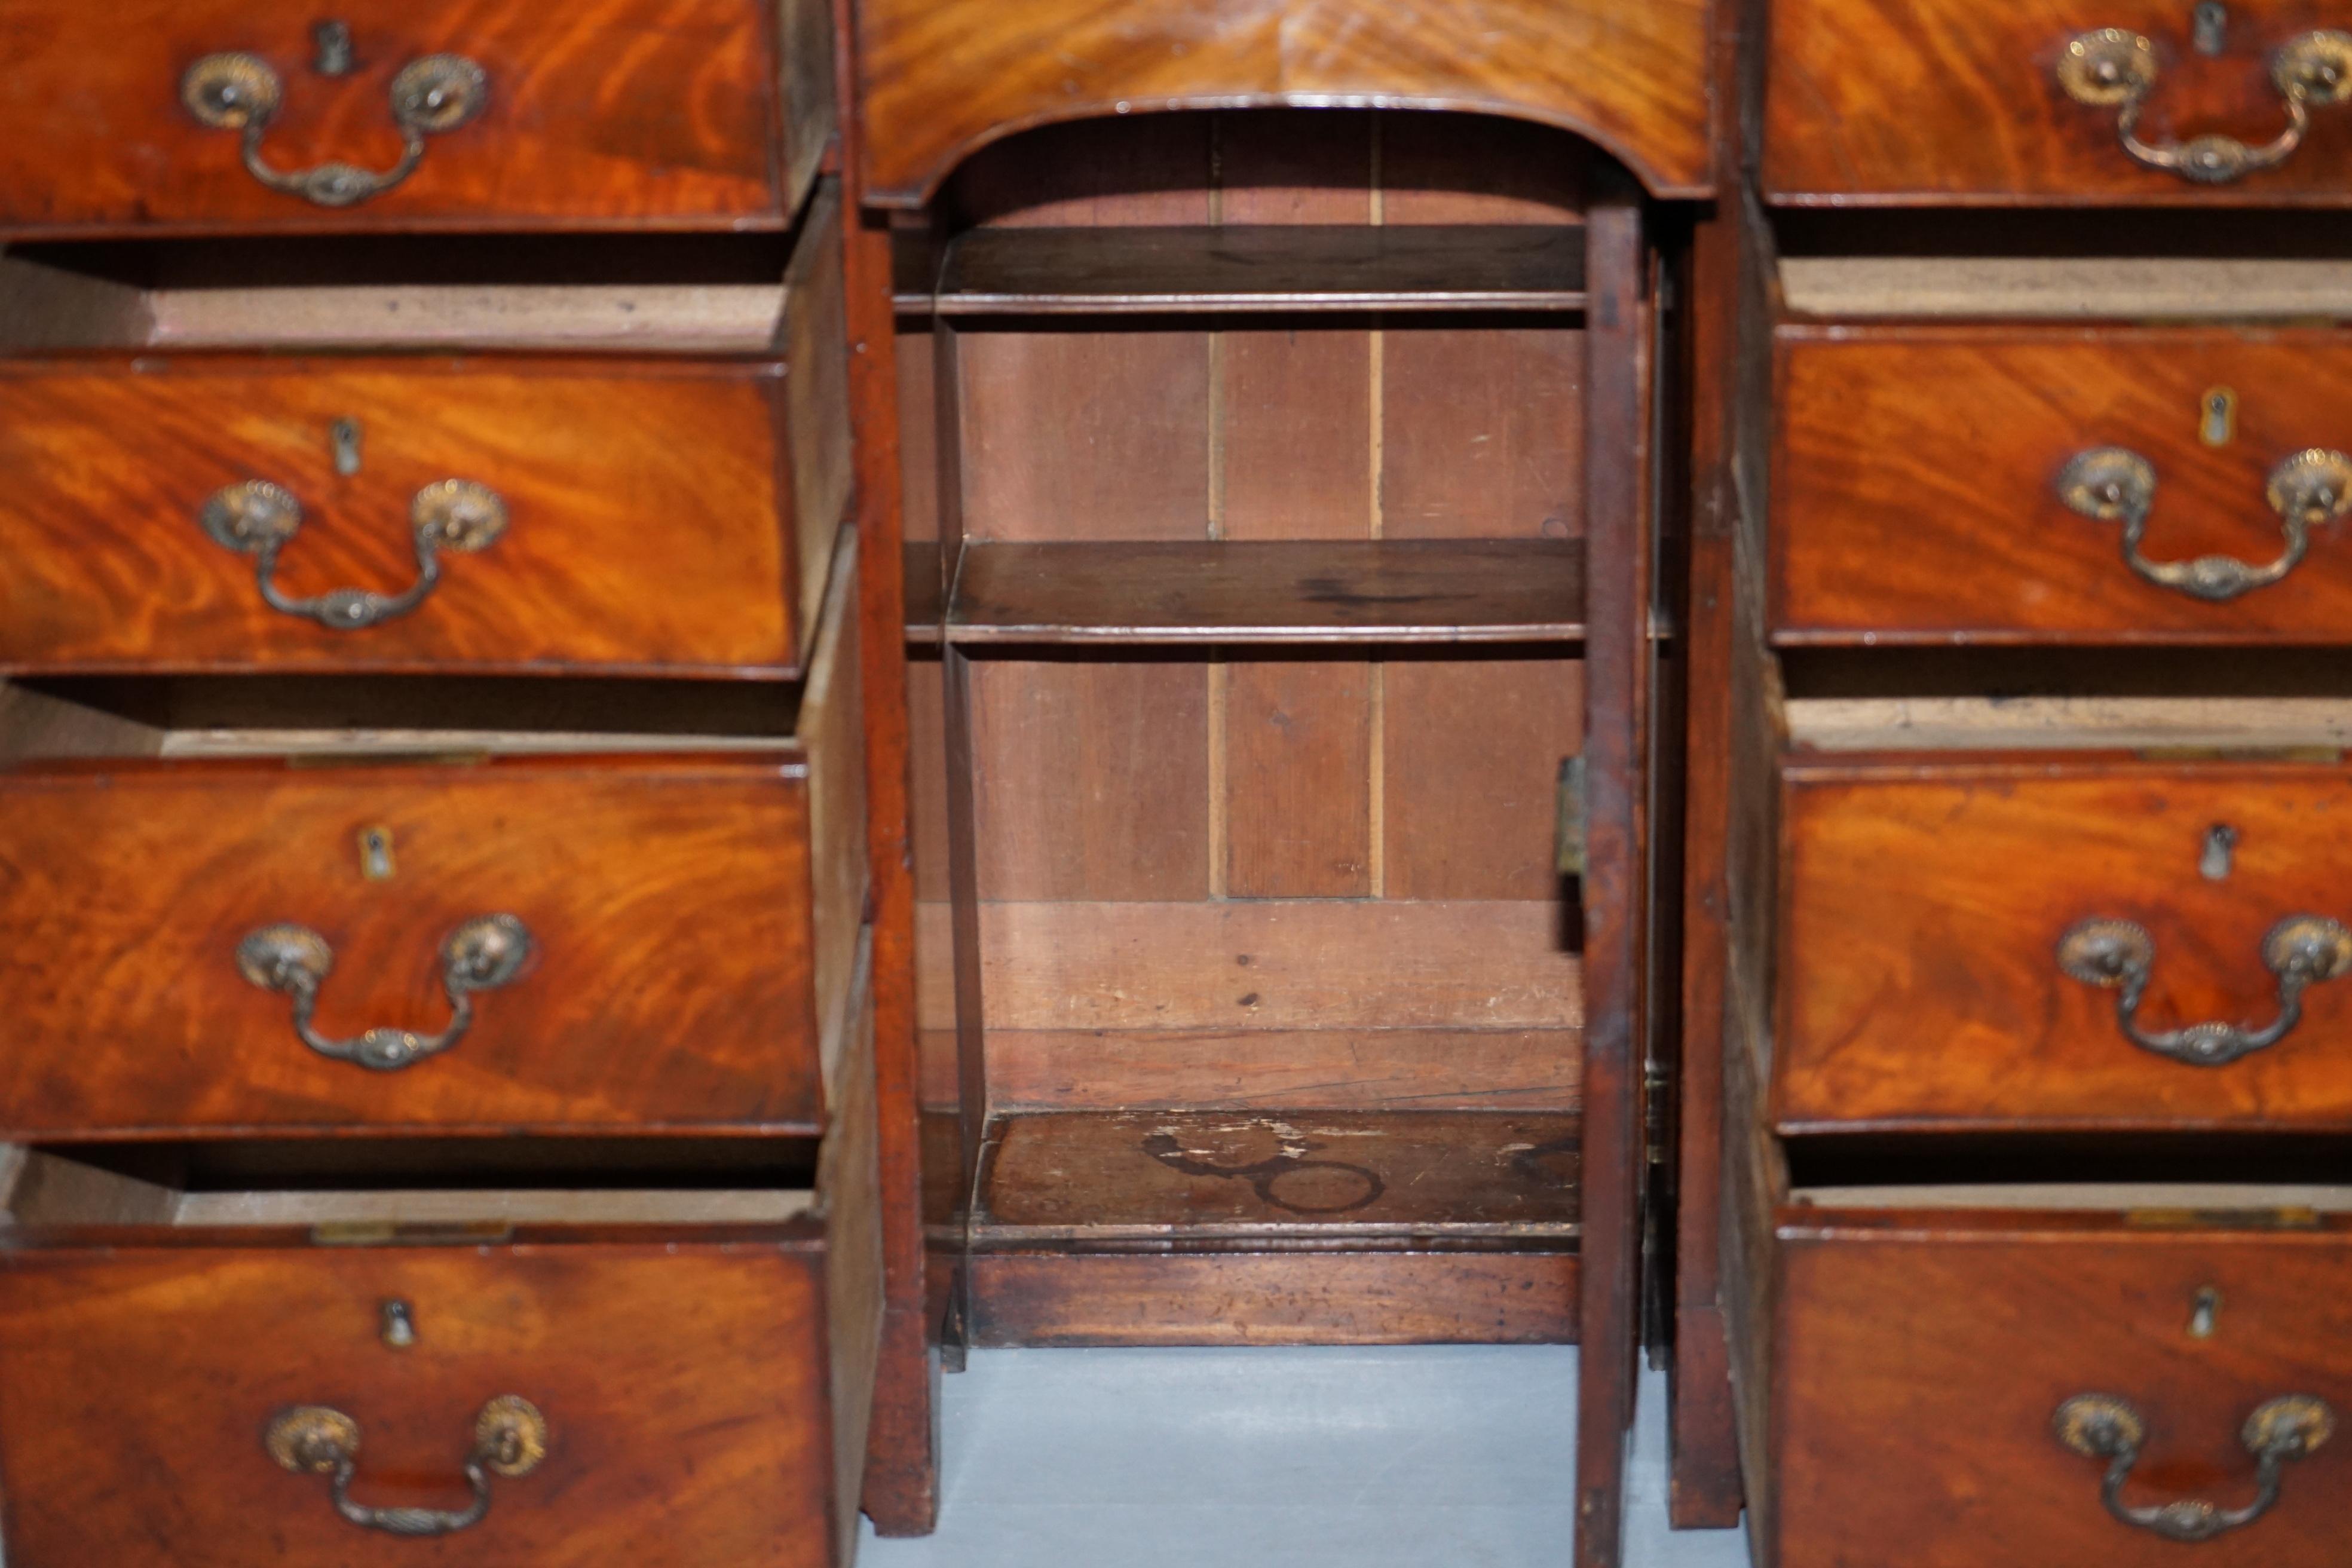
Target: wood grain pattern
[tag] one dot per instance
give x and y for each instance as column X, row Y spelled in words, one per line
column 1274, row 1299
column 662, row 991
column 1305, row 963
column 1929, row 1353
column 1329, row 1177
column 1474, row 749
column 941, row 80
column 1310, row 592
column 683, row 1389
column 1916, row 500
column 1936, row 999
column 1942, row 101
column 1366, row 1069
column 607, row 113
column 1246, row 267
column 650, row 514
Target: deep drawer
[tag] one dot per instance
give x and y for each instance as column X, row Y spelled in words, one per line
column 1956, row 1372
column 2063, row 485
column 1945, row 101
column 133, row 117
column 2072, row 940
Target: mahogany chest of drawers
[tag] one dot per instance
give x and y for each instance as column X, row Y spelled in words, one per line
column 2014, row 1094
column 445, row 1106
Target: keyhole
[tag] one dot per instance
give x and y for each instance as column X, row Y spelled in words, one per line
column 375, row 854
column 2210, row 25
column 399, row 1325
column 344, row 441
column 2218, row 425
column 2220, row 849
column 2204, row 1312
column 330, row 45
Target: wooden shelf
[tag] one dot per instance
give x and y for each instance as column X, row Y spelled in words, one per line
column 1287, row 269
column 1204, row 592
column 1504, row 1180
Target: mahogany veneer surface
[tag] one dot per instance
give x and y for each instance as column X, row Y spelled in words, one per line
column 643, row 113
column 683, row 1387
column 1954, row 101
column 1920, row 1363
column 668, row 902
column 943, row 77
column 1923, row 906
column 1915, row 494
column 648, row 514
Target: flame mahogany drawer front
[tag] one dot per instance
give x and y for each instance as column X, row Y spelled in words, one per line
column 1952, row 1389
column 576, row 516
column 629, row 942
column 2058, row 101
column 943, row 78
column 2080, row 941
column 175, row 1400
column 149, row 116
column 2064, row 485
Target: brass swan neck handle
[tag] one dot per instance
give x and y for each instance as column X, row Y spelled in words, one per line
column 482, row 954
column 243, row 92
column 259, row 518
column 2104, row 1426
column 2301, row 950
column 2113, row 68
column 2114, row 484
column 509, row 1440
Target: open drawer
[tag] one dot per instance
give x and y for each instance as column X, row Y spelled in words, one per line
column 2041, row 1377
column 631, row 907
column 220, row 1378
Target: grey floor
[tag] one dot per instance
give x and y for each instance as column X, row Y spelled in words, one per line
column 1279, row 1459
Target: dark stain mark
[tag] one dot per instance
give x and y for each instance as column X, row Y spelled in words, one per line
column 1530, row 1162
column 1263, row 1176
column 1333, row 591
column 1250, row 1000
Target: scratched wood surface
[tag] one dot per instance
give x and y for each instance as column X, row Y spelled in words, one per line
column 1947, row 100
column 684, row 1388
column 600, row 113
column 1475, row 1176
column 940, row 80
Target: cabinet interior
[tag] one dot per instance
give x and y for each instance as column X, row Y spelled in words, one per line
column 1245, row 469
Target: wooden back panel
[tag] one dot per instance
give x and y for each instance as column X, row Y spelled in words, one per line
column 1272, row 880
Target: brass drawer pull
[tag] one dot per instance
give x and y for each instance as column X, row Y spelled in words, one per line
column 2112, row 484
column 2301, row 950
column 259, row 519
column 2101, row 1427
column 243, row 92
column 2115, row 67
column 510, row 1439
column 480, row 955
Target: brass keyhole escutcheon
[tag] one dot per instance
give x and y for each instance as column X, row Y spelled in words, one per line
column 2218, row 422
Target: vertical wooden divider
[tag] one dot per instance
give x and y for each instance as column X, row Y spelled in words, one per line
column 901, row 1491
column 1617, row 431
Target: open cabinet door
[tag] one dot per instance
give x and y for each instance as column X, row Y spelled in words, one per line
column 1615, row 875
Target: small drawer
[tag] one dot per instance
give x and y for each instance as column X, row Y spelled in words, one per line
column 2046, row 1378
column 942, row 78
column 436, row 928
column 2058, row 101
column 576, row 1377
column 2055, row 485
column 2085, row 941
column 148, row 117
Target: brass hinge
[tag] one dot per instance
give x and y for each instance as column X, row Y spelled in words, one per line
column 1569, row 836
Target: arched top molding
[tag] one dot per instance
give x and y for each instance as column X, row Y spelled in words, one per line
column 943, row 78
